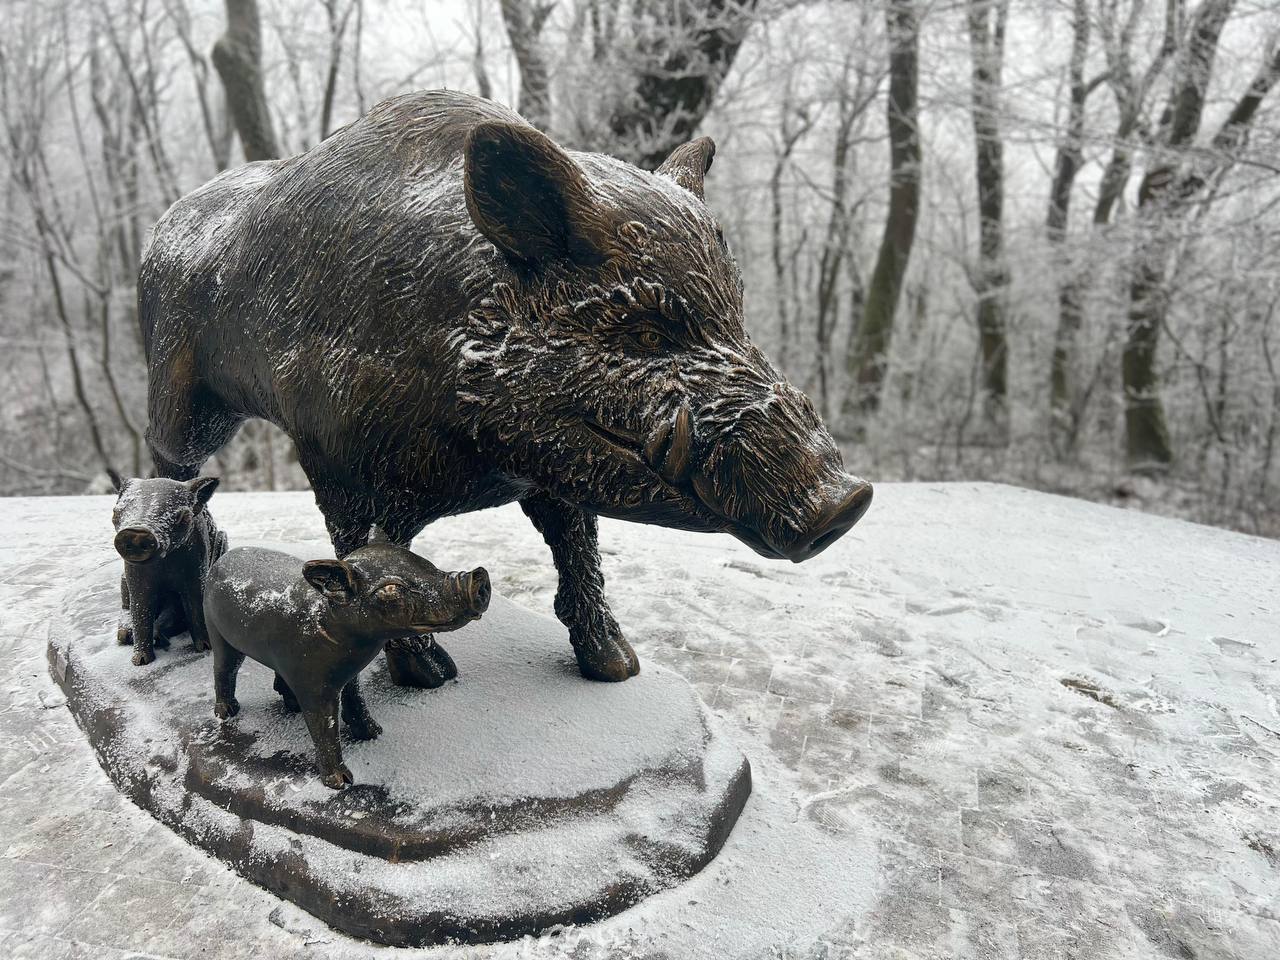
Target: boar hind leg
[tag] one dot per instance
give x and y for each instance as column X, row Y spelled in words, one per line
column 355, row 713
column 322, row 722
column 602, row 652
column 188, row 426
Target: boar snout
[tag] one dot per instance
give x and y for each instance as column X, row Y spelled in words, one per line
column 475, row 591
column 833, row 521
column 137, row 544
column 763, row 463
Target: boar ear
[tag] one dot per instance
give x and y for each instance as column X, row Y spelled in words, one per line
column 117, row 481
column 202, row 489
column 529, row 198
column 334, row 578
column 689, row 163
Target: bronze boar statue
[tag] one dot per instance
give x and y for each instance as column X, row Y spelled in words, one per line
column 446, row 311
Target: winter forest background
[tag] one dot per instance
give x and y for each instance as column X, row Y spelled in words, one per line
column 1035, row 241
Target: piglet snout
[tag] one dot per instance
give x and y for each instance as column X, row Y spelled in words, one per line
column 137, row 544
column 475, row 590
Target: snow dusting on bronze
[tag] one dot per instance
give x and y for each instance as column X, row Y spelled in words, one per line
column 446, row 311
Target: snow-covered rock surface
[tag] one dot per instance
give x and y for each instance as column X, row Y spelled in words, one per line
column 519, row 799
column 986, row 723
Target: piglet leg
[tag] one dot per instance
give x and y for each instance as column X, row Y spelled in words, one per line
column 355, row 713
column 124, row 627
column 290, row 701
column 194, row 610
column 226, row 664
column 143, row 614
column 322, row 721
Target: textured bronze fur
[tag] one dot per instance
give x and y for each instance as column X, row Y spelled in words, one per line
column 168, row 541
column 446, row 312
column 318, row 624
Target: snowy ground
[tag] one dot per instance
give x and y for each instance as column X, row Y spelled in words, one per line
column 1043, row 728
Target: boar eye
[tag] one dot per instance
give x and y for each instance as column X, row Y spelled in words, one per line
column 391, row 592
column 652, row 339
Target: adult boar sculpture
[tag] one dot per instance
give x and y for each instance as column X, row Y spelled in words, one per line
column 446, row 311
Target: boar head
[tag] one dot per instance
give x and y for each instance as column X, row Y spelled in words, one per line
column 155, row 516
column 612, row 367
column 382, row 591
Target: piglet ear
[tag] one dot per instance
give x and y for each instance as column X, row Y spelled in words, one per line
column 334, row 578
column 202, row 489
column 689, row 163
column 117, row 481
column 530, row 199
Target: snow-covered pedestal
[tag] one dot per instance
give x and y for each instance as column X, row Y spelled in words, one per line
column 518, row 798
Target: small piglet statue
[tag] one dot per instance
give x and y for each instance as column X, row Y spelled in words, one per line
column 168, row 542
column 318, row 624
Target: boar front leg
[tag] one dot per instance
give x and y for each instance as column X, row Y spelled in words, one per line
column 571, row 533
column 355, row 713
column 411, row 661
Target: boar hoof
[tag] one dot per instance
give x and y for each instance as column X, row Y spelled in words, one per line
column 124, row 635
column 337, row 778
column 226, row 709
column 199, row 646
column 611, row 663
column 414, row 663
column 144, row 656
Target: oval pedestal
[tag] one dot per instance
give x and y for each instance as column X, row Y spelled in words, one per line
column 518, row 797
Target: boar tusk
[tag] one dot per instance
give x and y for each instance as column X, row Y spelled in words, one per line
column 706, row 492
column 656, row 449
column 676, row 464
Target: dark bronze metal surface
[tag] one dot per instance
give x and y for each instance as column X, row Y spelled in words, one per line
column 168, row 541
column 447, row 311
column 318, row 624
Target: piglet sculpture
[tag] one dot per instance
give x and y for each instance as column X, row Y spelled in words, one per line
column 168, row 542
column 320, row 623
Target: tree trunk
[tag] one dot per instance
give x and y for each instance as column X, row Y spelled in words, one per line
column 337, row 30
column 987, row 20
column 237, row 55
column 681, row 60
column 1062, row 424
column 524, row 22
column 1147, row 443
column 869, row 349
column 790, row 136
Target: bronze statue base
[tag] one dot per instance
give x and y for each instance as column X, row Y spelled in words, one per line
column 519, row 798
